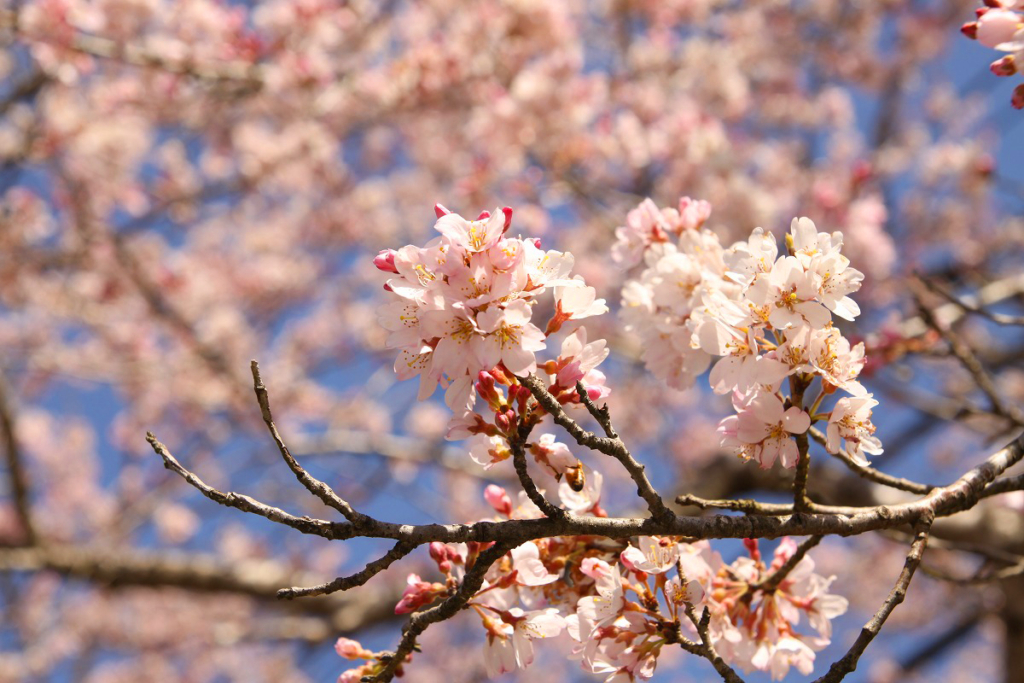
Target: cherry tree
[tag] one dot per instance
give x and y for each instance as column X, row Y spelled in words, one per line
column 713, row 357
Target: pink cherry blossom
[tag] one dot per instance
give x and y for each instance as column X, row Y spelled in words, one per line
column 850, row 422
column 531, row 571
column 762, row 427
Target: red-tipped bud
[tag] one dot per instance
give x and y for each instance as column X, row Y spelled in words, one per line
column 752, row 547
column 506, row 420
column 1004, row 66
column 484, row 215
column 439, row 553
column 970, row 29
column 498, row 499
column 385, row 261
column 418, row 593
column 500, row 375
column 485, row 390
column 440, row 211
column 1017, row 100
column 980, row 11
column 508, row 218
column 535, row 240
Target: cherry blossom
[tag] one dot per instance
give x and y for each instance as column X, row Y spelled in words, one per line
column 762, row 427
column 850, row 421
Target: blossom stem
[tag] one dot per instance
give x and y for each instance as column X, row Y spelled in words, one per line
column 801, row 503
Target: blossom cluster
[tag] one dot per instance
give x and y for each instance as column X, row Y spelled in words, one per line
column 614, row 606
column 768, row 316
column 463, row 318
column 1000, row 26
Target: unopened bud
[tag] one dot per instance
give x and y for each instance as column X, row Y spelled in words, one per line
column 498, row 499
column 485, row 390
column 508, row 218
column 1004, row 66
column 504, row 421
column 385, row 261
column 752, row 547
column 970, row 29
column 1017, row 100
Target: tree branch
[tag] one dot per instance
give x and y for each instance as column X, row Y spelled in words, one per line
column 306, row 525
column 848, row 663
column 312, row 484
column 607, row 445
column 872, row 474
column 343, row 583
column 15, row 465
column 447, row 609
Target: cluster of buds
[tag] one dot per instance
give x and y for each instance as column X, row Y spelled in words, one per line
column 351, row 649
column 1000, row 25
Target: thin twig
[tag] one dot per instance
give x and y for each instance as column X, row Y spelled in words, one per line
column 779, row 575
column 16, row 465
column 848, row 663
column 750, row 507
column 871, row 473
column 607, row 445
column 343, row 583
column 312, row 484
column 306, row 525
column 518, row 446
column 973, row 365
column 970, row 307
column 421, row 620
column 601, row 414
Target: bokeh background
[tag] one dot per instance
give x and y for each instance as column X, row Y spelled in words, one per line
column 186, row 185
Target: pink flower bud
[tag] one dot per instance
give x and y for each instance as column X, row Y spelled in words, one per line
column 1004, row 66
column 438, row 551
column 484, row 215
column 1018, row 97
column 417, row 594
column 440, row 211
column 752, row 547
column 535, row 240
column 997, row 26
column 385, row 261
column 508, row 218
column 970, row 29
column 504, row 421
column 498, row 499
column 486, row 391
column 350, row 649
